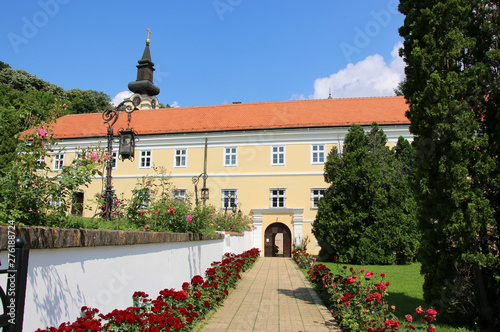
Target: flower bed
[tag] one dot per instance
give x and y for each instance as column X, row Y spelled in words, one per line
column 358, row 299
column 172, row 310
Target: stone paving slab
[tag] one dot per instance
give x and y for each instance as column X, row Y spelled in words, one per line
column 273, row 296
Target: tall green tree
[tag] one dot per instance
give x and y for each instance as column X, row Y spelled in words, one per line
column 9, row 129
column 366, row 215
column 451, row 49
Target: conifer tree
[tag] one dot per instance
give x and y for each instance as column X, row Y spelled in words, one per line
column 452, row 56
column 365, row 216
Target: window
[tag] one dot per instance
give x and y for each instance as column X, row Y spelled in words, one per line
column 278, row 155
column 316, row 195
column 55, row 202
column 141, row 199
column 231, row 156
column 180, row 158
column 113, row 160
column 318, row 154
column 278, row 198
column 58, row 161
column 179, row 194
column 229, row 199
column 145, row 161
column 40, row 164
column 77, row 204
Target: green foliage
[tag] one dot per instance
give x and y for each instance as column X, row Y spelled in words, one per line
column 358, row 299
column 33, row 195
column 452, row 55
column 87, row 101
column 33, row 97
column 366, row 215
column 155, row 206
column 3, row 65
column 9, row 128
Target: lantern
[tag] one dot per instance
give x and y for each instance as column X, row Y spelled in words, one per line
column 127, row 144
column 204, row 194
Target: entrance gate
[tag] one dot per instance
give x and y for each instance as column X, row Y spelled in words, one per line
column 278, row 241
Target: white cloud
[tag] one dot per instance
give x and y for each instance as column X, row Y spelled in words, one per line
column 120, row 96
column 175, row 104
column 371, row 77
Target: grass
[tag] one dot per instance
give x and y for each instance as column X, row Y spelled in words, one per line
column 405, row 290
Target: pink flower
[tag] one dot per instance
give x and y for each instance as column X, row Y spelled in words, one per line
column 190, row 218
column 382, row 274
column 409, row 318
column 93, row 155
column 41, row 133
column 146, row 226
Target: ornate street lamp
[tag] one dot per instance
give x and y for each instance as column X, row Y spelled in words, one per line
column 127, row 139
column 204, row 194
column 236, row 208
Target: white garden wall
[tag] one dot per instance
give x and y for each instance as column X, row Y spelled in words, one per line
column 62, row 280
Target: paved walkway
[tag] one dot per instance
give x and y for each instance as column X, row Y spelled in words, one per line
column 273, row 296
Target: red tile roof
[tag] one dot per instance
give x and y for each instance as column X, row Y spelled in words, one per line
column 251, row 116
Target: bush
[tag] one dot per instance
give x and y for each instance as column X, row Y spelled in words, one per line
column 358, row 299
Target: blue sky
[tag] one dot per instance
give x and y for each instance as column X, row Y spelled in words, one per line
column 209, row 52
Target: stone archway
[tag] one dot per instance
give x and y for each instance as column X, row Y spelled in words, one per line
column 278, row 241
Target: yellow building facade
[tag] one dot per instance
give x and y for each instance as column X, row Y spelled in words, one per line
column 272, row 173
column 265, row 159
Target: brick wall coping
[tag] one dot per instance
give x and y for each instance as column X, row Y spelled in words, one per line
column 52, row 238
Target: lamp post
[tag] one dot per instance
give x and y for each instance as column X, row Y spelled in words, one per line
column 236, row 208
column 126, row 150
column 204, row 191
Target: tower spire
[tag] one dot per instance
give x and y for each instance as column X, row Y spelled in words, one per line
column 144, row 85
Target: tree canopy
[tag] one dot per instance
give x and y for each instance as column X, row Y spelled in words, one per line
column 451, row 49
column 366, row 215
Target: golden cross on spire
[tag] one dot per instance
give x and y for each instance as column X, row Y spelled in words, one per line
column 149, row 31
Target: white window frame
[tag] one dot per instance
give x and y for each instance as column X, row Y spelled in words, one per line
column 316, row 197
column 58, row 161
column 179, row 193
column 40, row 167
column 231, row 199
column 274, row 193
column 180, row 155
column 232, row 153
column 278, row 153
column 55, row 203
column 114, row 158
column 146, row 157
column 318, row 153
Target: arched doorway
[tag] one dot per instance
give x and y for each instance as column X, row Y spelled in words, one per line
column 278, row 241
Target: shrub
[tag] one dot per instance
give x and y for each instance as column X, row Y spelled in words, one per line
column 358, row 299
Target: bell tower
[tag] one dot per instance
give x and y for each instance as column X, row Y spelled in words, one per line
column 144, row 88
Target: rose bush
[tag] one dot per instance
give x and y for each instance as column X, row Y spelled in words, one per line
column 358, row 299
column 172, row 310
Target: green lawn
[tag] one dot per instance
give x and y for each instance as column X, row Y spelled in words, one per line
column 405, row 290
